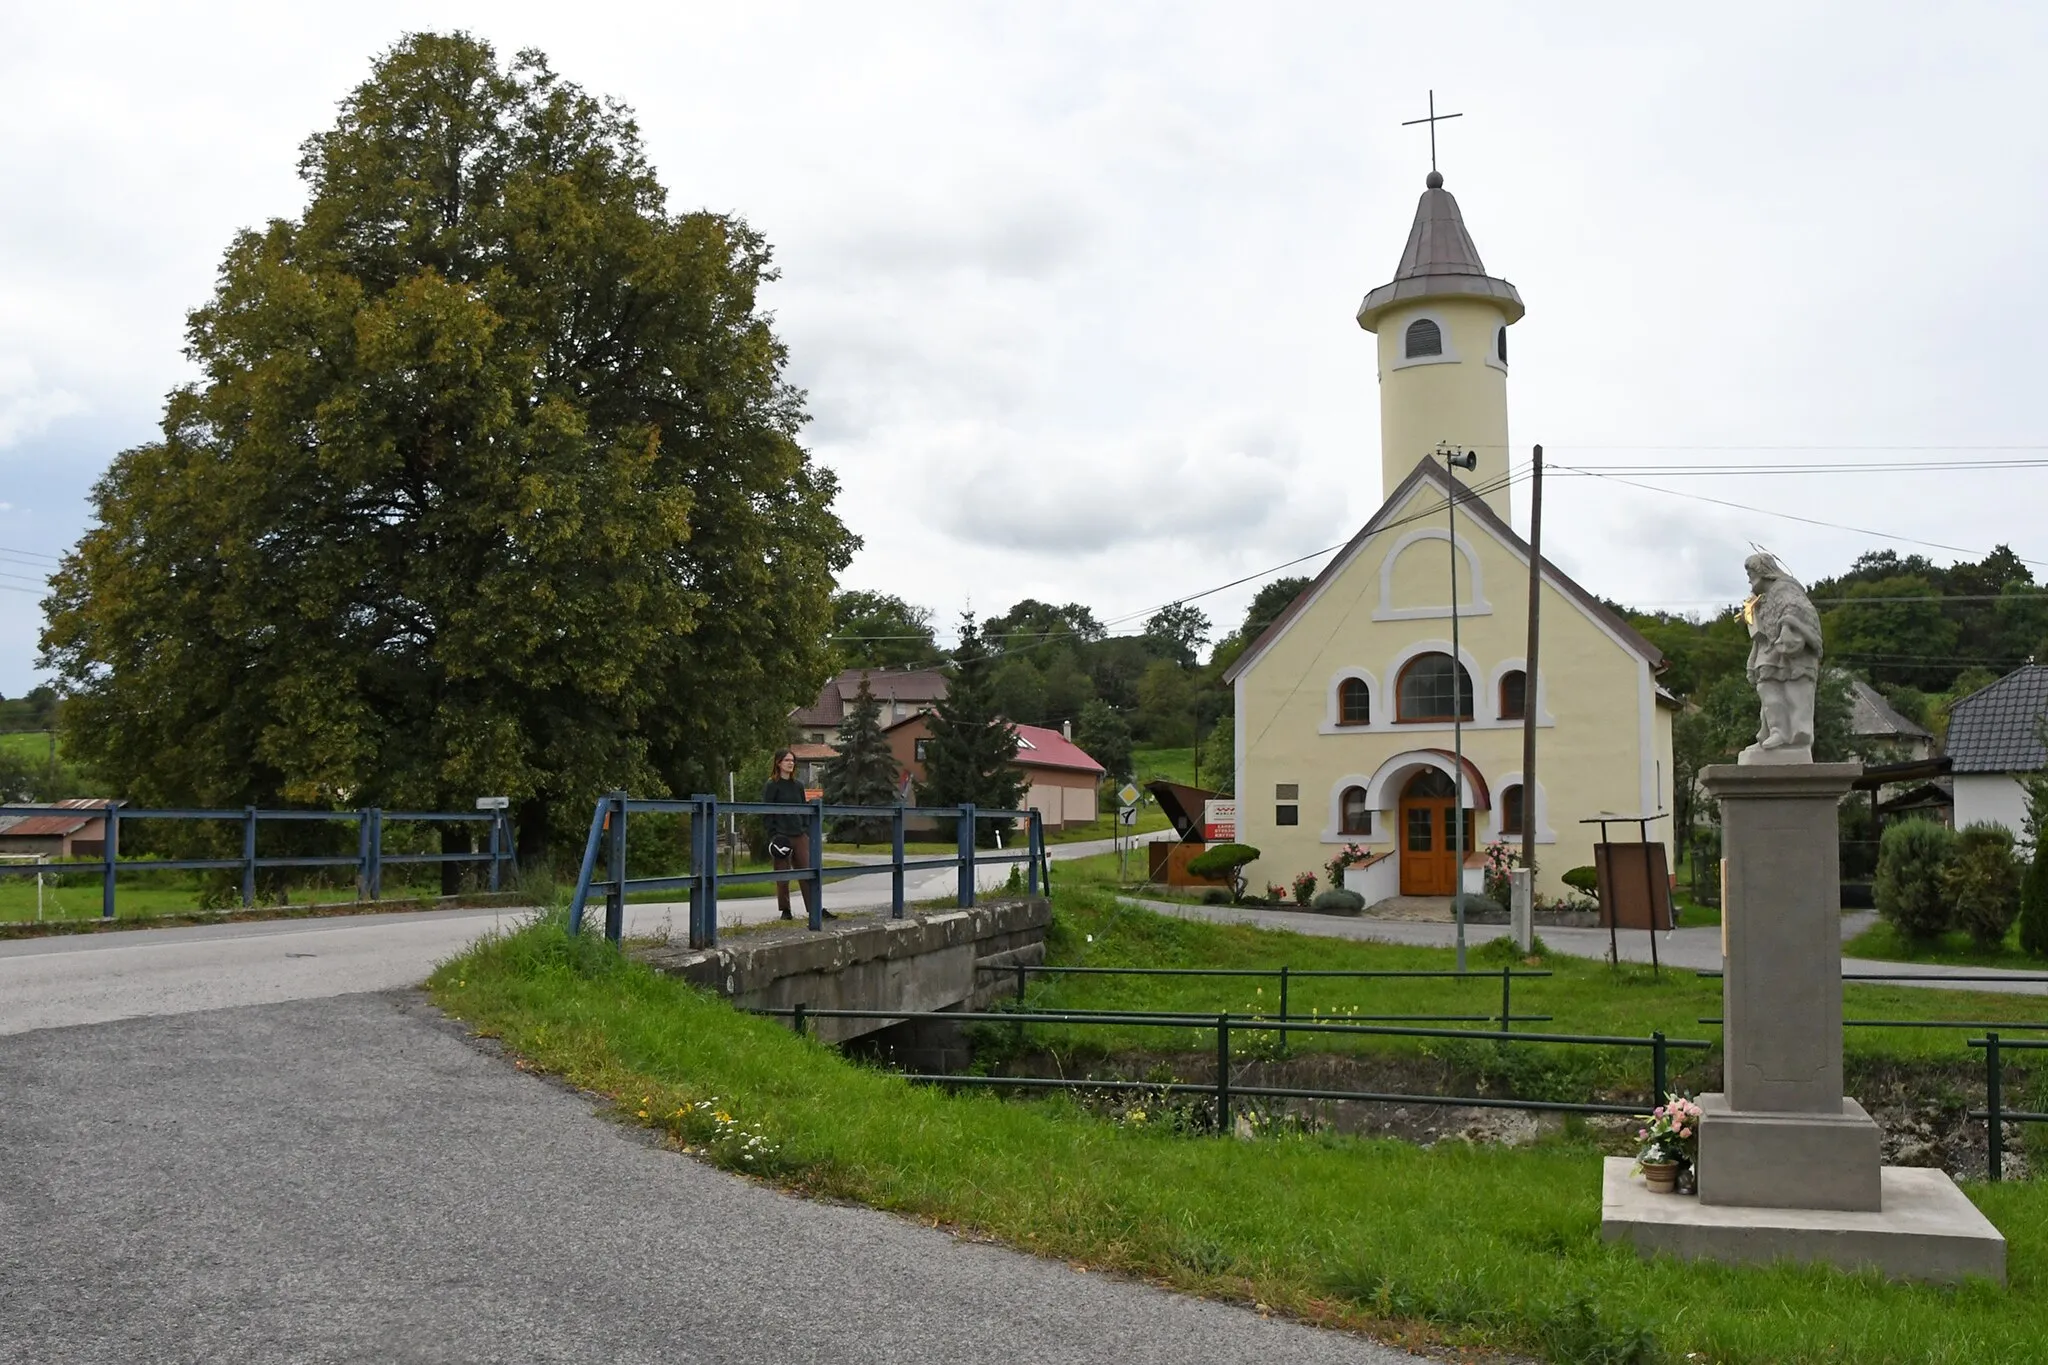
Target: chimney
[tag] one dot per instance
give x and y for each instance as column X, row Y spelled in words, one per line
column 1067, row 731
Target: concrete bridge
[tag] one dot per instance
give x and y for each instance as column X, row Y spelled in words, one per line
column 943, row 960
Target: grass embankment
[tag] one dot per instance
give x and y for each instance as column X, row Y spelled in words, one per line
column 1476, row 1245
column 156, row 897
column 1881, row 942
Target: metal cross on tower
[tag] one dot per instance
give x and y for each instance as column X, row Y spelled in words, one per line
column 1433, row 120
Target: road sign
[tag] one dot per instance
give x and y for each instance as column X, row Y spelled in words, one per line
column 1127, row 815
column 1128, row 794
column 493, row 802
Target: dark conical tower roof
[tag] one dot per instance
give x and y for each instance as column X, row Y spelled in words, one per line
column 1439, row 261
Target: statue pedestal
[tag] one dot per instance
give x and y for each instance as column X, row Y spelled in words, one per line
column 1785, row 1159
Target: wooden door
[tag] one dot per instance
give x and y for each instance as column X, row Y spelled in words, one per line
column 1426, row 846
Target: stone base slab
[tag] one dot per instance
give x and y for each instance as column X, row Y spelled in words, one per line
column 1928, row 1230
column 1789, row 1161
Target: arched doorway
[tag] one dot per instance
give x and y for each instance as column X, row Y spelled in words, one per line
column 1428, row 861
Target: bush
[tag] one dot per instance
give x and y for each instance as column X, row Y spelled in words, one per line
column 1304, row 888
column 2034, row 903
column 1215, row 895
column 1226, row 861
column 1338, row 901
column 1584, row 879
column 1910, row 859
column 1222, row 860
column 1982, row 883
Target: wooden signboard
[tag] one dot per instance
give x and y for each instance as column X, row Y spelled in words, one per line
column 1635, row 885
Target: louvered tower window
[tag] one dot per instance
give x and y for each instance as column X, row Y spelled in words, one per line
column 1424, row 338
column 1500, row 345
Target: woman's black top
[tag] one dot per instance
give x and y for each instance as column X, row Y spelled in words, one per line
column 787, row 791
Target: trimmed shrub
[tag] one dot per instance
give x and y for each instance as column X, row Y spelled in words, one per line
column 1227, row 861
column 2034, row 903
column 1584, row 879
column 1222, row 860
column 1982, row 883
column 1910, row 860
column 1338, row 901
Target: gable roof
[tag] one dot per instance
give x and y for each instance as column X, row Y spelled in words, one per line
column 914, row 685
column 1040, row 747
column 57, row 826
column 1997, row 729
column 1870, row 715
column 1474, row 509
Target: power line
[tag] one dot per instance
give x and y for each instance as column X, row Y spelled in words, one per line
column 29, row 554
column 1856, row 467
column 1789, row 516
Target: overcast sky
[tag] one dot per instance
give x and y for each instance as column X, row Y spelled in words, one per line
column 1072, row 288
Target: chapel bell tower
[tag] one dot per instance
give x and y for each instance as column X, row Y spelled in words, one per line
column 1442, row 324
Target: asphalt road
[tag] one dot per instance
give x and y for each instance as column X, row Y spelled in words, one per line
column 95, row 978
column 349, row 1179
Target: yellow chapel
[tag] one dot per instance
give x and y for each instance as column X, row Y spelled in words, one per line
column 1345, row 706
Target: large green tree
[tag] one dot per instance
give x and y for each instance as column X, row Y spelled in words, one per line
column 489, row 482
column 880, row 630
column 973, row 750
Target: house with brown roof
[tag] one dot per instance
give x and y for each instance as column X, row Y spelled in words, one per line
column 74, row 829
column 902, row 692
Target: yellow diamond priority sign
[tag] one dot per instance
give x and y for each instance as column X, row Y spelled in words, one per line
column 1128, row 794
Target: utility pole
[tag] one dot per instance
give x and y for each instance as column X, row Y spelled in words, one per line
column 1529, row 662
column 1454, row 461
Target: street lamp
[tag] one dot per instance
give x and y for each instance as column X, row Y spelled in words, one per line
column 1454, row 461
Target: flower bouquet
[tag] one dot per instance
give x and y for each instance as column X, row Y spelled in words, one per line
column 1670, row 1140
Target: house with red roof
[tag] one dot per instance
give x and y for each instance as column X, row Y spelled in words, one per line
column 1065, row 784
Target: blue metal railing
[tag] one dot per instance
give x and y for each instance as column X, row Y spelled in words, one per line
column 608, row 837
column 369, row 859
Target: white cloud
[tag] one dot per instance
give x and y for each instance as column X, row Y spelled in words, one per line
column 1071, row 289
column 28, row 406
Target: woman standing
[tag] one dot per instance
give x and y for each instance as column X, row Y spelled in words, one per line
column 789, row 836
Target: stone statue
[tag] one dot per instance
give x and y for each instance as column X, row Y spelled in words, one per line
column 1784, row 662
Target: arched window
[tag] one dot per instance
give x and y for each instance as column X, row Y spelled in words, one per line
column 1511, row 809
column 1423, row 338
column 1353, row 815
column 1514, row 694
column 1500, row 345
column 1354, row 702
column 1433, row 687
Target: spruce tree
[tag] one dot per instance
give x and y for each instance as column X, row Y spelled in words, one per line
column 865, row 772
column 973, row 750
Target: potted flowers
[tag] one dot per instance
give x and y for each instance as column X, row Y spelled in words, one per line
column 1671, row 1143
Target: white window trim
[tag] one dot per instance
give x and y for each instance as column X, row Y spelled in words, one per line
column 1493, row 350
column 1537, row 810
column 1333, row 712
column 1382, row 793
column 1480, row 715
column 1478, row 606
column 1402, row 360
column 1541, row 702
column 1333, row 821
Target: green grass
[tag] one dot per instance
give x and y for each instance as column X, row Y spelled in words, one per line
column 1582, row 995
column 147, row 895
column 1168, row 765
column 1886, row 944
column 30, row 744
column 1470, row 1245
